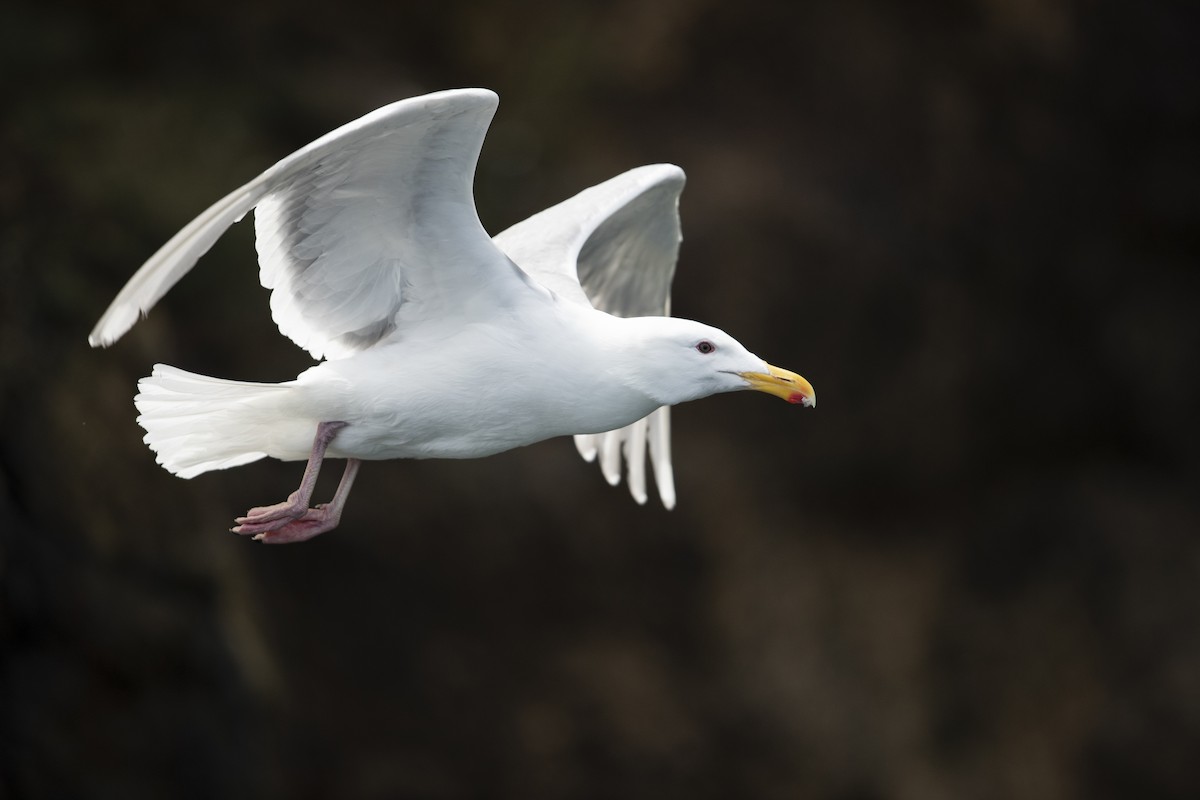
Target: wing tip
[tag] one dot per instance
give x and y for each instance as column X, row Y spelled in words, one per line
column 662, row 173
column 585, row 443
column 115, row 323
column 484, row 97
column 667, row 495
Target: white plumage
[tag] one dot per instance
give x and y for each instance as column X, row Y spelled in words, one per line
column 440, row 341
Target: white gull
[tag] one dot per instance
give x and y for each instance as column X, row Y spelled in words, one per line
column 439, row 341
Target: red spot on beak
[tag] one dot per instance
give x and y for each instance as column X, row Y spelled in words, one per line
column 795, row 397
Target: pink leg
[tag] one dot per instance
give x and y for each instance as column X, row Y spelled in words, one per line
column 325, row 517
column 292, row 520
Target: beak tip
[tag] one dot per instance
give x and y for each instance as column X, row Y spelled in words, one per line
column 808, row 401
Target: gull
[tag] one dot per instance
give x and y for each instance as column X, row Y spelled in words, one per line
column 433, row 339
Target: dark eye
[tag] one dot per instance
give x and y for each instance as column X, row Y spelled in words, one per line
column 705, row 346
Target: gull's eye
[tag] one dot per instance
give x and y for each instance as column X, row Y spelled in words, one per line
column 705, row 346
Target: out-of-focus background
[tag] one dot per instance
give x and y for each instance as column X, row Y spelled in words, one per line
column 973, row 571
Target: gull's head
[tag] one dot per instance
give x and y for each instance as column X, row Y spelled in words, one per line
column 681, row 360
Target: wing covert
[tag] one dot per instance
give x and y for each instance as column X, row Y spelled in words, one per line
column 614, row 246
column 379, row 229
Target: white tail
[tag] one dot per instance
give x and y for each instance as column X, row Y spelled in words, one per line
column 195, row 423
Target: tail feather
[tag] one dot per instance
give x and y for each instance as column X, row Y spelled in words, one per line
column 195, row 423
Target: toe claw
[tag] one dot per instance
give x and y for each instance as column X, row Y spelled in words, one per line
column 313, row 522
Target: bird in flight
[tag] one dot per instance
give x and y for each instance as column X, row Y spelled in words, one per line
column 434, row 339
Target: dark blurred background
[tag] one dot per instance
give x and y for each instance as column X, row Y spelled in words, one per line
column 973, row 571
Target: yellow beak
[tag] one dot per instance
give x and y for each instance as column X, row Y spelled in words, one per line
column 781, row 383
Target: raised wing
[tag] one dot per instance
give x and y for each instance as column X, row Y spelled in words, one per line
column 366, row 229
column 615, row 246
